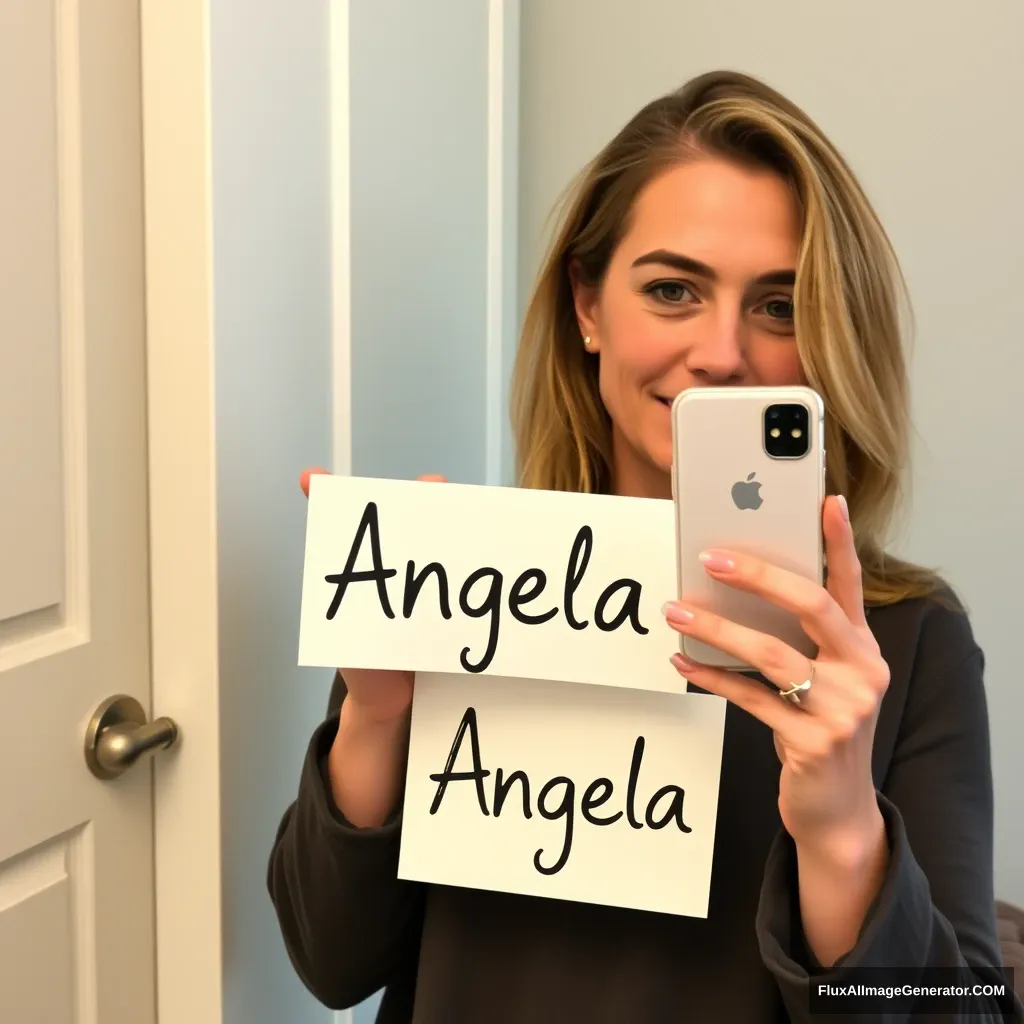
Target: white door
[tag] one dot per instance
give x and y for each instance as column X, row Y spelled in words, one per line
column 76, row 853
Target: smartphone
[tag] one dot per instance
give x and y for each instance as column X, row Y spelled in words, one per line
column 748, row 474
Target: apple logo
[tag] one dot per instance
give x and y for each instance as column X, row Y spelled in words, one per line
column 747, row 493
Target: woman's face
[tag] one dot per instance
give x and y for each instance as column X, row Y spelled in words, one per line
column 698, row 293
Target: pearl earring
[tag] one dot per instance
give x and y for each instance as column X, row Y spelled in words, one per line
column 586, row 341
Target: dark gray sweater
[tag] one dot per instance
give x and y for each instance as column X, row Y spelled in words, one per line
column 463, row 956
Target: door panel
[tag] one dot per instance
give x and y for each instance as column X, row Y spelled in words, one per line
column 76, row 875
column 31, row 528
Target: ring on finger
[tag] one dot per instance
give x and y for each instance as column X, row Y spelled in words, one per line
column 795, row 689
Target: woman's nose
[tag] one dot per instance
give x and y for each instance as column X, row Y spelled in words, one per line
column 717, row 351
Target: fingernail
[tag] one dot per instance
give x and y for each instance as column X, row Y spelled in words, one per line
column 717, row 563
column 843, row 507
column 676, row 613
column 681, row 664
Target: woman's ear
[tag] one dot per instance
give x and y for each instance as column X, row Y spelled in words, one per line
column 585, row 299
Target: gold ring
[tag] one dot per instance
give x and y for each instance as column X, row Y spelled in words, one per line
column 793, row 693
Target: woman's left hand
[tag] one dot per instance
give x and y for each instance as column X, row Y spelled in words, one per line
column 827, row 796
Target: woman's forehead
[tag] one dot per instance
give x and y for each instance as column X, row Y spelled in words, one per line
column 717, row 213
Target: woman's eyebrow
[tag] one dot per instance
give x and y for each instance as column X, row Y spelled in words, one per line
column 692, row 266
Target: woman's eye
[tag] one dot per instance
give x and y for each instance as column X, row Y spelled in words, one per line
column 669, row 291
column 779, row 309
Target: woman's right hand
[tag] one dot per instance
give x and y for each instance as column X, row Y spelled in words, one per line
column 366, row 762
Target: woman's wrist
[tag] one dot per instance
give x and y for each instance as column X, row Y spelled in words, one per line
column 840, row 876
column 366, row 762
column 849, row 850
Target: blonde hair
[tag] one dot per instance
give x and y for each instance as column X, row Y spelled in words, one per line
column 848, row 298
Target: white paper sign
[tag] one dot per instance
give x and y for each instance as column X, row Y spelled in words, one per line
column 488, row 580
column 609, row 795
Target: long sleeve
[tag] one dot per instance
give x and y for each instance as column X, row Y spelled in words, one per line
column 933, row 921
column 349, row 924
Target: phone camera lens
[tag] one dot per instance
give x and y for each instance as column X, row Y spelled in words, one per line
column 786, row 431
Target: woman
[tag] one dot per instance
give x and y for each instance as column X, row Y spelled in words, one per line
column 719, row 239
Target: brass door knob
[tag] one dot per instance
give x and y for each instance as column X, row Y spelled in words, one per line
column 118, row 735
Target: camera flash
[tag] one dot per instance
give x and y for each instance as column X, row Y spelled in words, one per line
column 797, row 432
column 775, row 432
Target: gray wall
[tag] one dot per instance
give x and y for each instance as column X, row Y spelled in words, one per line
column 419, row 235
column 418, row 114
column 418, row 121
column 271, row 220
column 922, row 102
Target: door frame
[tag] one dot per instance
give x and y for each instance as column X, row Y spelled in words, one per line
column 182, row 495
column 503, row 69
column 176, row 104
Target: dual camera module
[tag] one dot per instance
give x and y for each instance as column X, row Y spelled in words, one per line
column 785, row 431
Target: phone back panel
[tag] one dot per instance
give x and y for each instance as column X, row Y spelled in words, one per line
column 719, row 457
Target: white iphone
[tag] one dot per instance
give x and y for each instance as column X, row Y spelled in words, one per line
column 748, row 474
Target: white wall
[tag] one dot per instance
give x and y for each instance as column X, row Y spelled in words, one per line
column 924, row 101
column 269, row 135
